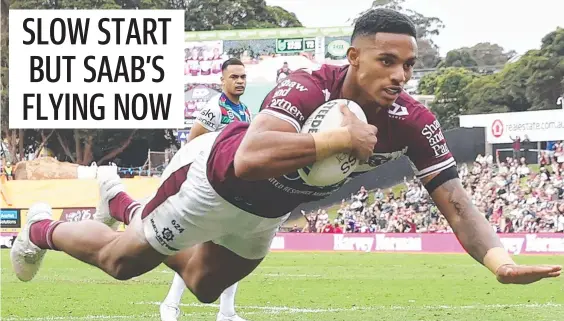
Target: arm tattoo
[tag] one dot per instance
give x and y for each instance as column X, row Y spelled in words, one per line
column 471, row 228
column 456, row 197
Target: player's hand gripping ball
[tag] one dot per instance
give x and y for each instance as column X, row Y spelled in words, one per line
column 338, row 167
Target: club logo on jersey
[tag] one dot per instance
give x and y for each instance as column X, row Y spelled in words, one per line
column 436, row 139
column 167, row 234
column 160, row 237
column 398, row 111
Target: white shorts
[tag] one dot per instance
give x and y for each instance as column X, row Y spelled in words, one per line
column 186, row 210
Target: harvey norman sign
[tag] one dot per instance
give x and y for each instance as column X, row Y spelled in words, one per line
column 539, row 126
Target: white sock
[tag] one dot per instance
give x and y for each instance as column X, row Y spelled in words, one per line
column 227, row 301
column 176, row 290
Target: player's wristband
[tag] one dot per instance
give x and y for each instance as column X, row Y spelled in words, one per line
column 331, row 142
column 496, row 257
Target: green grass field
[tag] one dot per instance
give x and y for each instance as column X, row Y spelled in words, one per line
column 295, row 286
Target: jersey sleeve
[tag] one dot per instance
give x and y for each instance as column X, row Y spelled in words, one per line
column 250, row 113
column 210, row 116
column 294, row 99
column 427, row 147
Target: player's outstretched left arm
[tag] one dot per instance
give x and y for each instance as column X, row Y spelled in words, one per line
column 478, row 238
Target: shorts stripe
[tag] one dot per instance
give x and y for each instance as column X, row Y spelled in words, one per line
column 168, row 188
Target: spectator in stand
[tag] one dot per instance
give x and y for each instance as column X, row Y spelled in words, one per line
column 517, row 143
column 559, row 152
column 544, row 159
column 391, row 195
column 362, row 195
column 337, row 229
column 283, row 72
column 9, row 171
column 378, row 195
column 311, row 224
column 523, row 170
column 295, row 229
column 357, row 206
column 414, row 194
column 560, row 218
column 484, row 160
column 322, row 220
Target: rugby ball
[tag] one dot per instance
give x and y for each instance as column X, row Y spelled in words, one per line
column 338, row 167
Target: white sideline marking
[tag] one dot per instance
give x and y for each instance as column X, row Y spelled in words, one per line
column 88, row 317
column 288, row 310
column 285, row 275
column 284, row 309
column 280, row 275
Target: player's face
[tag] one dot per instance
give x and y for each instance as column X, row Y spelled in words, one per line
column 384, row 64
column 234, row 80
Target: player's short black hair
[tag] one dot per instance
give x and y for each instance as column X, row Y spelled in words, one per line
column 231, row 62
column 383, row 20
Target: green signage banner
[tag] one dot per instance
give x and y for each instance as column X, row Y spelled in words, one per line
column 247, row 34
column 294, row 45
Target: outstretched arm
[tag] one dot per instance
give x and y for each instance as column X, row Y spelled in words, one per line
column 476, row 234
column 472, row 229
column 436, row 168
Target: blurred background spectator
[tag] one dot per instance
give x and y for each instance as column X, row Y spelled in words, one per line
column 512, row 197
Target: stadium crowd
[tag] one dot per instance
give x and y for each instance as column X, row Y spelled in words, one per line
column 512, row 197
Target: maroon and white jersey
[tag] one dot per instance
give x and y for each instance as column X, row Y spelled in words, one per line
column 407, row 128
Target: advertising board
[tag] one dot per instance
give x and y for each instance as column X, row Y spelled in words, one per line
column 537, row 126
column 514, row 243
column 268, row 54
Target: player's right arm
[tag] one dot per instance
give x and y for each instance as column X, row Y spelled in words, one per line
column 196, row 130
column 273, row 145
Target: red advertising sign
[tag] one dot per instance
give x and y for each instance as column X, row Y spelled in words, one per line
column 542, row 243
